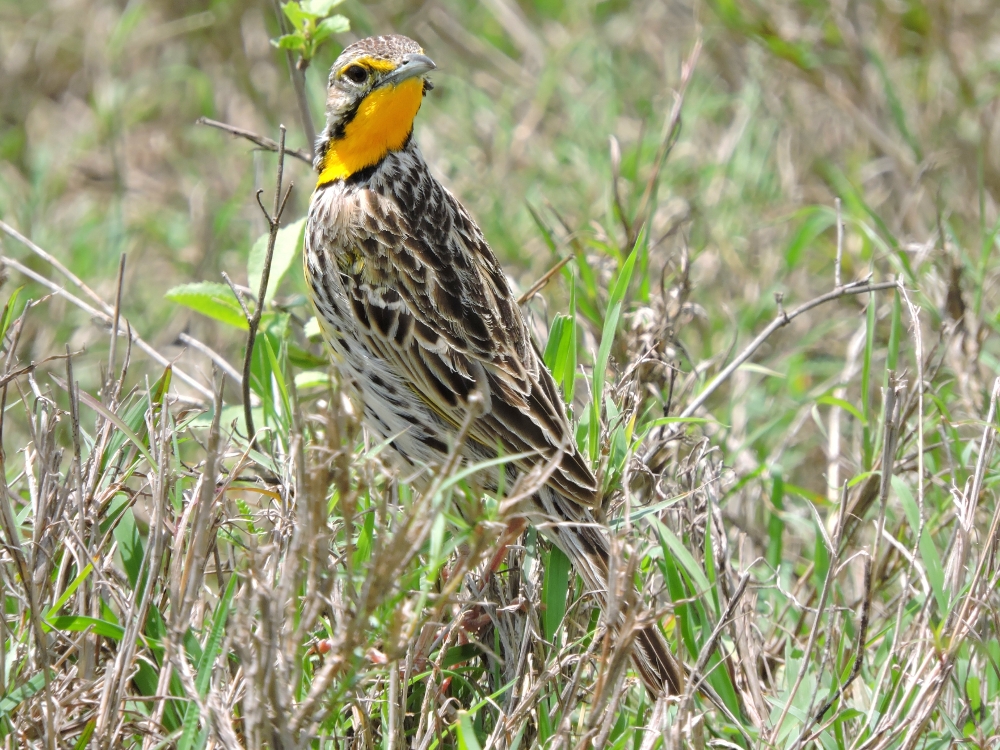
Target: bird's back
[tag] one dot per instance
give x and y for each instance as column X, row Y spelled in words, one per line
column 420, row 316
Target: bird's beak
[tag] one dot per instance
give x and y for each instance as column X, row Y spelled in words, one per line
column 413, row 65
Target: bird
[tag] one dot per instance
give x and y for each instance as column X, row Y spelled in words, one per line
column 421, row 322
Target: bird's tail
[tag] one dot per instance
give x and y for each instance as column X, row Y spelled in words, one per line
column 573, row 529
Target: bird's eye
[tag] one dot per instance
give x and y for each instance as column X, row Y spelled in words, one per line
column 356, row 74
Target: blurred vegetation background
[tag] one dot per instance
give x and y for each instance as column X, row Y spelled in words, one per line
column 545, row 120
column 892, row 106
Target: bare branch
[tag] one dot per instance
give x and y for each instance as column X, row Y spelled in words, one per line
column 239, row 297
column 268, row 144
column 274, row 222
column 783, row 319
column 213, row 355
column 538, row 285
column 106, row 317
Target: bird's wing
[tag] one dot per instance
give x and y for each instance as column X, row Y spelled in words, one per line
column 431, row 297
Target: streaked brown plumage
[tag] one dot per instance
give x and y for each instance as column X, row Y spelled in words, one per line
column 419, row 314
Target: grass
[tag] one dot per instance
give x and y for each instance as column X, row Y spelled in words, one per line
column 817, row 534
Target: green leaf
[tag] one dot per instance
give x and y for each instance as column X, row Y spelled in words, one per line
column 866, row 371
column 895, row 107
column 208, row 656
column 821, row 558
column 277, row 374
column 287, row 247
column 935, row 570
column 79, row 623
column 910, row 509
column 568, row 360
column 817, row 220
column 611, row 317
column 973, row 686
column 895, row 333
column 662, row 421
column 467, row 739
column 333, row 25
column 85, row 735
column 760, row 369
column 299, row 357
column 845, row 405
column 101, row 409
column 678, row 592
column 70, row 590
column 312, row 379
column 213, row 299
column 7, row 317
column 775, row 526
column 214, row 642
column 683, row 556
column 458, row 654
column 554, row 591
column 290, row 41
column 928, row 551
column 552, row 347
column 320, row 8
column 543, row 228
column 130, row 547
column 294, row 13
column 18, row 695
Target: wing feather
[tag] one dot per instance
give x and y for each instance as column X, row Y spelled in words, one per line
column 435, row 304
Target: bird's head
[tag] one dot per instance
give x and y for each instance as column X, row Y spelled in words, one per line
column 375, row 89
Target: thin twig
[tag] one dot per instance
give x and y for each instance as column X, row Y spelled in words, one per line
column 274, row 222
column 7, row 377
column 268, row 144
column 890, row 434
column 859, row 655
column 919, row 358
column 814, row 632
column 25, row 564
column 213, row 355
column 240, row 297
column 671, row 132
column 116, row 320
column 840, row 245
column 107, row 318
column 783, row 319
column 537, row 286
column 697, row 677
column 54, row 262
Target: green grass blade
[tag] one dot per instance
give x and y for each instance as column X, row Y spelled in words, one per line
column 18, row 695
column 79, row 623
column 203, row 676
column 467, row 739
column 866, row 373
column 554, row 590
column 775, row 525
column 611, row 318
column 682, row 555
column 97, row 406
column 70, row 590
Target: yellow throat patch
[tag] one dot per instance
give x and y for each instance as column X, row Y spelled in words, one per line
column 382, row 124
